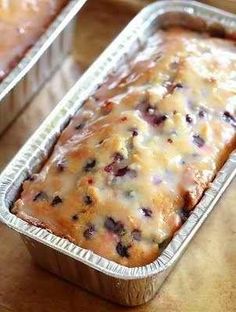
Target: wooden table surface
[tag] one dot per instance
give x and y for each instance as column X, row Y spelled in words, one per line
column 204, row 279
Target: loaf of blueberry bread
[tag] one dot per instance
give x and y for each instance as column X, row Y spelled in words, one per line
column 21, row 24
column 126, row 172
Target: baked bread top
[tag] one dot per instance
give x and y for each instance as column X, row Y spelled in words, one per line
column 137, row 158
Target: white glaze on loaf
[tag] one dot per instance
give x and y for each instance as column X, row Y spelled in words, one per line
column 137, row 158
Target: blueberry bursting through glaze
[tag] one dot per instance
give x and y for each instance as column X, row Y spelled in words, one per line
column 114, row 226
column 80, row 126
column 117, row 170
column 230, row 118
column 56, row 201
column 189, row 118
column 147, row 212
column 122, row 250
column 32, row 178
column 90, row 165
column 150, row 114
column 134, row 131
column 202, row 113
column 61, row 165
column 88, row 200
column 184, row 214
column 136, row 234
column 89, row 232
column 75, row 217
column 40, row 196
column 121, row 172
column 197, row 140
column 118, row 157
column 115, row 167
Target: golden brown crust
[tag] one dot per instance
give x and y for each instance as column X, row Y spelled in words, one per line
column 142, row 150
column 195, row 182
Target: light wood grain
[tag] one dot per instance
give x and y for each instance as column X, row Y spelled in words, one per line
column 204, row 278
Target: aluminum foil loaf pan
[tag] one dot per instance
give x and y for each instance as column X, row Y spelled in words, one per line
column 38, row 64
column 127, row 286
